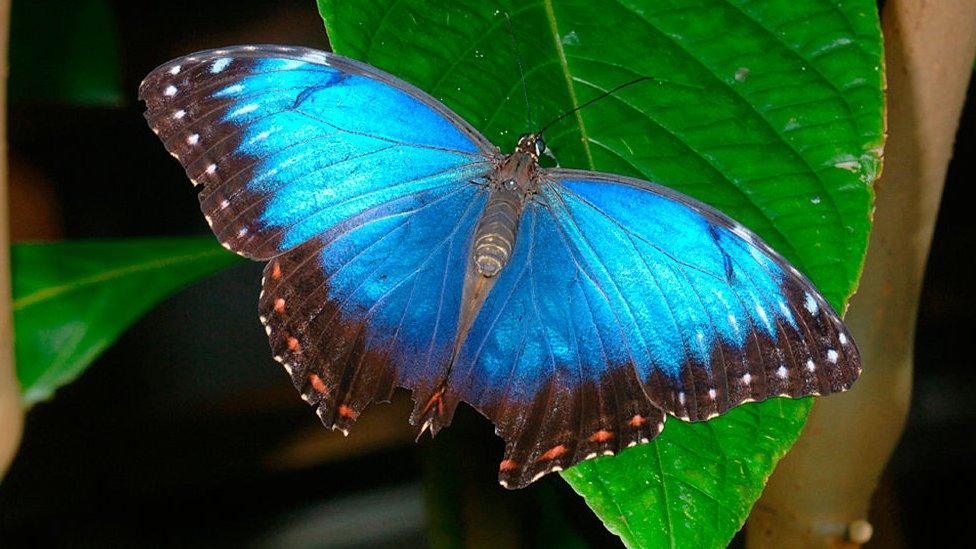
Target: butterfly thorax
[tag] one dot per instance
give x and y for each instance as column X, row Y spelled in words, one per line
column 511, row 184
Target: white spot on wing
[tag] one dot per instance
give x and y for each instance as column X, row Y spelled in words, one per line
column 211, row 169
column 175, row 70
column 832, row 356
column 179, row 114
column 843, row 338
column 220, row 64
column 712, row 394
column 170, row 91
column 810, row 365
column 811, row 304
column 193, row 139
column 781, row 372
column 747, row 378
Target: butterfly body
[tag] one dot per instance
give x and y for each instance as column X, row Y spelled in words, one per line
column 511, row 183
column 576, row 310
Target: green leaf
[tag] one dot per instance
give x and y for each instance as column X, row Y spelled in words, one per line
column 73, row 299
column 771, row 111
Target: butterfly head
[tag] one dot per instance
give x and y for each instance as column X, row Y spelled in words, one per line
column 531, row 144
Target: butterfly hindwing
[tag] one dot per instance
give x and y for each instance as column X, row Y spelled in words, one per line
column 625, row 300
column 536, row 362
column 287, row 142
column 372, row 303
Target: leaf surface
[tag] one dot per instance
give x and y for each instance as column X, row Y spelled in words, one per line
column 73, row 299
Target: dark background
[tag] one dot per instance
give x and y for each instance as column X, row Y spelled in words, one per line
column 187, row 433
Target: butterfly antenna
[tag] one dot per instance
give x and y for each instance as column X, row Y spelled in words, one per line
column 518, row 60
column 603, row 95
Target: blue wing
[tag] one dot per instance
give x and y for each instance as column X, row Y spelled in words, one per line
column 372, row 303
column 625, row 300
column 359, row 188
column 287, row 142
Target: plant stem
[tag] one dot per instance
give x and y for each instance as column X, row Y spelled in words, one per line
column 11, row 413
column 826, row 482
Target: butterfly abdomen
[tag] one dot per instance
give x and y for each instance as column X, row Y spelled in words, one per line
column 495, row 236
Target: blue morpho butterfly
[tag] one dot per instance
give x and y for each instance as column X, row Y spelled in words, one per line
column 574, row 309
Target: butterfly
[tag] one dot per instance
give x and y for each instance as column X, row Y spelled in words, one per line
column 576, row 310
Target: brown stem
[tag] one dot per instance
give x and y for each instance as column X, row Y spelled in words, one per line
column 820, row 493
column 11, row 413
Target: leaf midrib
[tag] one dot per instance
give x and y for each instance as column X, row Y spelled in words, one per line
column 564, row 65
column 105, row 276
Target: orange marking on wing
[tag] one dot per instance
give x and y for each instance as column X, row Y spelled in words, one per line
column 275, row 270
column 293, row 345
column 637, row 421
column 348, row 412
column 553, row 453
column 601, row 436
column 436, row 399
column 507, row 465
column 317, row 383
column 279, row 305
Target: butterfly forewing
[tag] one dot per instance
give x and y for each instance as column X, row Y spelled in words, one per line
column 289, row 141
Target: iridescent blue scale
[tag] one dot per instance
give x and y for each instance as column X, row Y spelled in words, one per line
column 619, row 302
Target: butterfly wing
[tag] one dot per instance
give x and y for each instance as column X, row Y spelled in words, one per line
column 286, row 142
column 625, row 301
column 361, row 190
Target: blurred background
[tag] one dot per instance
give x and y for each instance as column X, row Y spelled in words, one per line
column 187, row 433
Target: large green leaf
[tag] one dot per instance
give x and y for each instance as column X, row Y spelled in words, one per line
column 769, row 110
column 73, row 299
